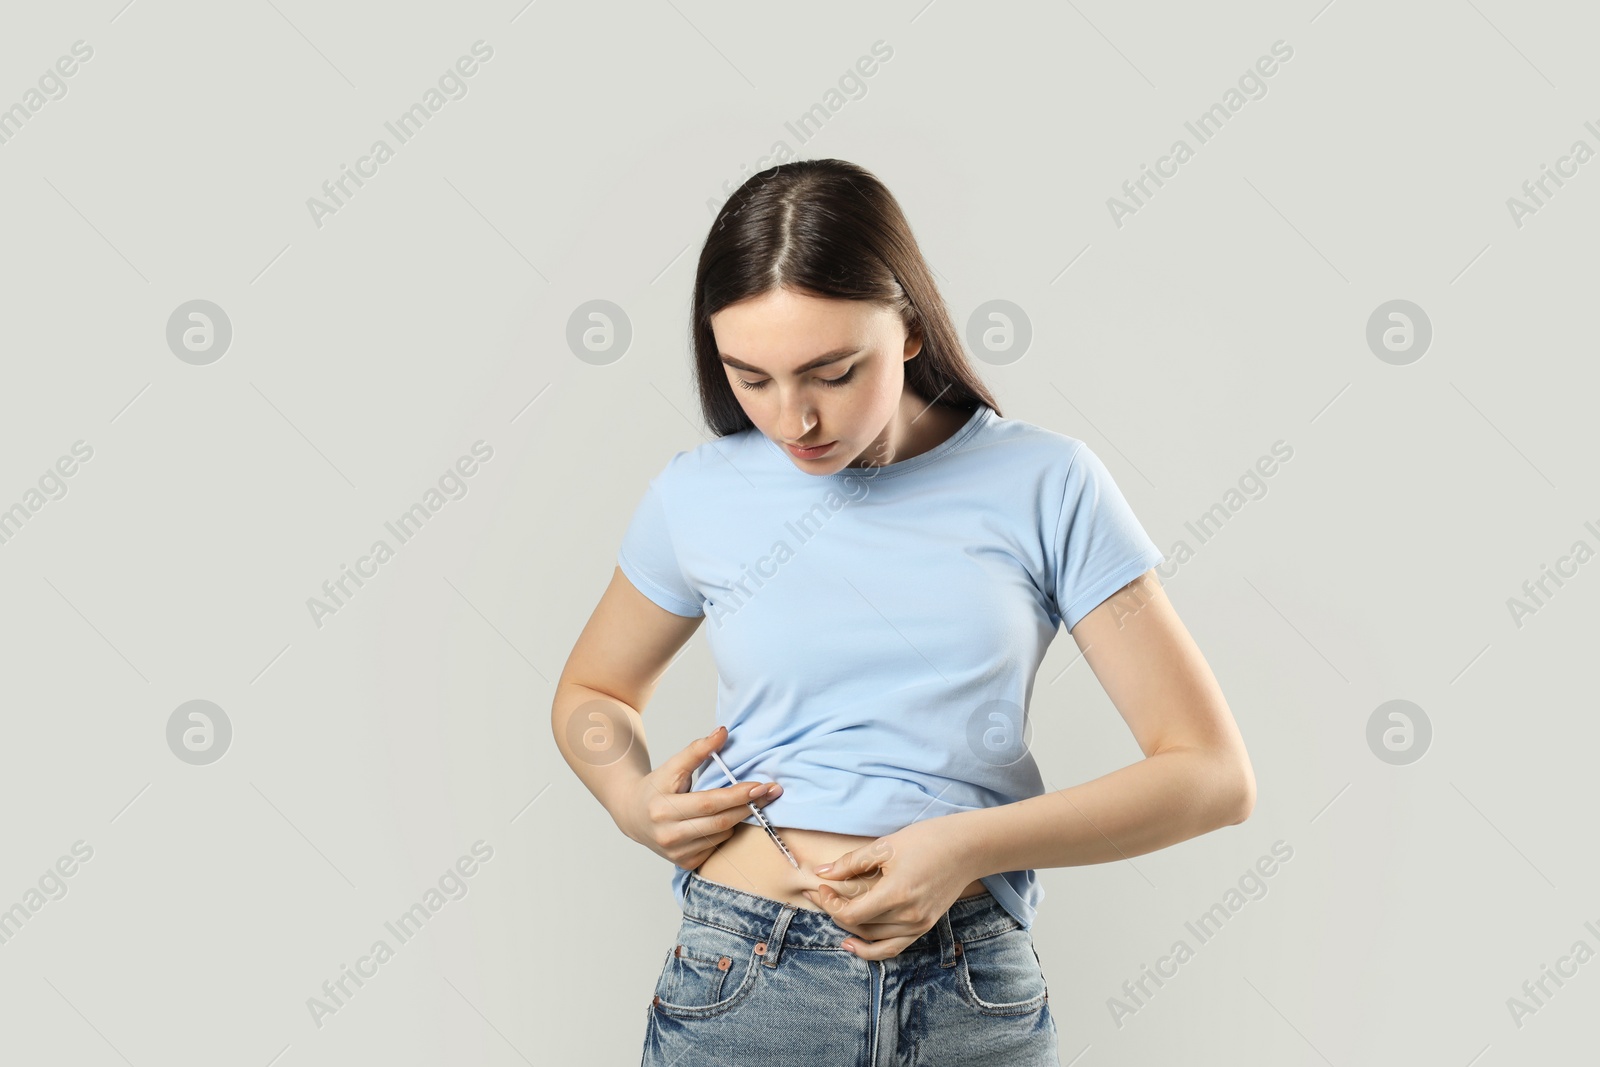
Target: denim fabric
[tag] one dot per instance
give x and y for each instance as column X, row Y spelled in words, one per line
column 751, row 980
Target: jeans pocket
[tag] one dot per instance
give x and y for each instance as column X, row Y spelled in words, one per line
column 707, row 972
column 1001, row 975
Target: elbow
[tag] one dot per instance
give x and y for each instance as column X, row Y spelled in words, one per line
column 1226, row 780
column 1243, row 797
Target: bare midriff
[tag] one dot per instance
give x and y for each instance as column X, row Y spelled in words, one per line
column 750, row 861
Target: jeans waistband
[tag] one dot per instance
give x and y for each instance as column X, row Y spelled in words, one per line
column 778, row 925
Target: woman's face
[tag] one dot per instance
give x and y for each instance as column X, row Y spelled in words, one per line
column 770, row 346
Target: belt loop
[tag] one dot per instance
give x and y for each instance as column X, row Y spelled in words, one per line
column 949, row 947
column 780, row 929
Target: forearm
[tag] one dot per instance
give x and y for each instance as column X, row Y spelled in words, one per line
column 602, row 740
column 1161, row 800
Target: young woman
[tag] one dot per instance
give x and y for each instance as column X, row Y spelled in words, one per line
column 883, row 559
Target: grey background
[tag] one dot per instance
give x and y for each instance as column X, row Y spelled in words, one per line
column 368, row 354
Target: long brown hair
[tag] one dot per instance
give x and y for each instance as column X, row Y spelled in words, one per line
column 827, row 228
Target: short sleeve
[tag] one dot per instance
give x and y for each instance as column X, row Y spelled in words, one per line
column 649, row 560
column 1099, row 545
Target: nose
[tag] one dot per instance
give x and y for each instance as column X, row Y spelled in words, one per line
column 796, row 419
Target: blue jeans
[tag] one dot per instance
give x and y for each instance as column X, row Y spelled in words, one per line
column 751, row 980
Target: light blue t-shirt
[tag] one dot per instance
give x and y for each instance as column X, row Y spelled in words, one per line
column 876, row 631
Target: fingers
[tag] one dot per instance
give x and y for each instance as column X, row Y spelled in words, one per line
column 681, row 764
column 847, row 889
column 867, row 940
column 690, row 823
column 888, row 948
column 859, row 861
column 731, row 805
column 677, row 772
column 866, row 916
column 716, row 821
column 700, row 803
column 875, row 932
column 735, row 797
column 679, row 768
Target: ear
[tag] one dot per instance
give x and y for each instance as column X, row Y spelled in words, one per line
column 913, row 344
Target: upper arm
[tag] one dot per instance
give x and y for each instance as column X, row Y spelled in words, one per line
column 646, row 614
column 1155, row 674
column 1097, row 544
column 627, row 644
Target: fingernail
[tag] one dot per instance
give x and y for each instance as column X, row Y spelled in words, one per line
column 758, row 791
column 824, row 869
column 850, row 949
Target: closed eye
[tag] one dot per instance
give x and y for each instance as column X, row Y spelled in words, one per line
column 835, row 382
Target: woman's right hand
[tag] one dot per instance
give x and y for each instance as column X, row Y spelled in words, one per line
column 683, row 825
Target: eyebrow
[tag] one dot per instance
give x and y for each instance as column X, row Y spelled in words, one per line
column 821, row 361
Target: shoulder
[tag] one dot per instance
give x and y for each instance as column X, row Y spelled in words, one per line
column 705, row 466
column 1024, row 445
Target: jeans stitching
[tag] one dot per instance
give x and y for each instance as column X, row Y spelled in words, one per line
column 970, row 994
column 685, row 1011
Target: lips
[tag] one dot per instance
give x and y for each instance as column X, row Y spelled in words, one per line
column 810, row 453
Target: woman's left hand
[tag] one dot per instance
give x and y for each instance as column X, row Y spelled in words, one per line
column 921, row 872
